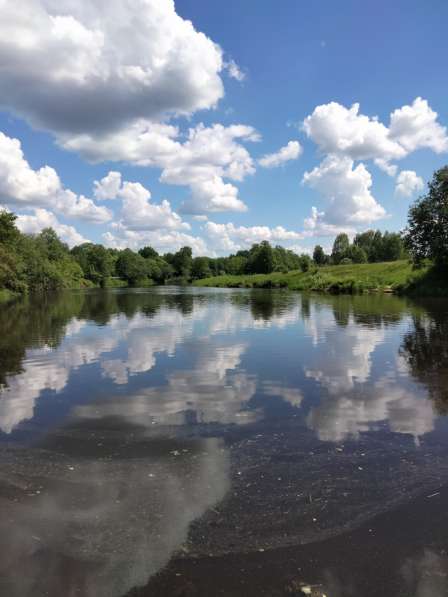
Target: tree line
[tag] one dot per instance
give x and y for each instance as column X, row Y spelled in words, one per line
column 371, row 246
column 43, row 262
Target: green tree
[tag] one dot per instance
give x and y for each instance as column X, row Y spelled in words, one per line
column 357, row 254
column 131, row 267
column 341, row 246
column 236, row 264
column 96, row 262
column 319, row 256
column 261, row 259
column 148, row 253
column 426, row 236
column 200, row 268
column 8, row 229
column 182, row 262
column 51, row 245
column 392, row 247
column 305, row 262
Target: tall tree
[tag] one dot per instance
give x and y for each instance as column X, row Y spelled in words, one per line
column 341, row 246
column 426, row 236
column 8, row 229
column 319, row 256
column 182, row 262
column 261, row 259
column 148, row 253
column 200, row 268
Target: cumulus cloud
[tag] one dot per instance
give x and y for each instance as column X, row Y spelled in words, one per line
column 23, row 187
column 202, row 161
column 137, row 212
column 340, row 130
column 408, row 183
column 73, row 67
column 162, row 240
column 108, row 187
column 42, row 218
column 291, row 151
column 105, row 79
column 316, row 225
column 416, row 127
column 389, row 169
column 347, row 189
column 231, row 238
column 346, row 136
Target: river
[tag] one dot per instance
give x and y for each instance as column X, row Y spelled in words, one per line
column 201, row 442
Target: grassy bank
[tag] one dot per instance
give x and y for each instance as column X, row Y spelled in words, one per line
column 395, row 276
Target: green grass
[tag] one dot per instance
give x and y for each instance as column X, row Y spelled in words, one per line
column 395, row 276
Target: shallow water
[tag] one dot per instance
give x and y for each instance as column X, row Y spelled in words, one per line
column 180, row 441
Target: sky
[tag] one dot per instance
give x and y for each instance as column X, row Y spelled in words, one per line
column 219, row 124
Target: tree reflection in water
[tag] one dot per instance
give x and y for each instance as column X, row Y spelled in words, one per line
column 425, row 350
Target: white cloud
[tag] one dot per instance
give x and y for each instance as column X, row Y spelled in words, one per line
column 203, row 161
column 231, row 238
column 81, row 66
column 42, row 218
column 315, row 225
column 108, row 187
column 162, row 240
column 408, row 183
column 137, row 212
column 340, row 130
column 415, row 127
column 142, row 143
column 291, row 151
column 347, row 189
column 345, row 136
column 389, row 169
column 23, row 187
column 105, row 80
column 234, row 71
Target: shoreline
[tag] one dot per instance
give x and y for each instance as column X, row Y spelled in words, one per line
column 397, row 277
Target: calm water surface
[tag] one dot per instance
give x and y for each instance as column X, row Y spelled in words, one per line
column 223, row 442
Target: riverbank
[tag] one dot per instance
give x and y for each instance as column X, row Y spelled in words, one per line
column 395, row 276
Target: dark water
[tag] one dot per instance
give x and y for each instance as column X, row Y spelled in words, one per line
column 223, row 442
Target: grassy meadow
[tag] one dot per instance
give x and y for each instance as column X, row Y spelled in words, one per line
column 392, row 276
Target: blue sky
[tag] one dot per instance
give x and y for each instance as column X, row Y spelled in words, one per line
column 89, row 90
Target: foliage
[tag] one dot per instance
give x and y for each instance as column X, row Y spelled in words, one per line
column 341, row 246
column 34, row 262
column 380, row 247
column 426, row 236
column 200, row 268
column 96, row 262
column 356, row 255
column 261, row 259
column 319, row 256
column 131, row 267
column 182, row 262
